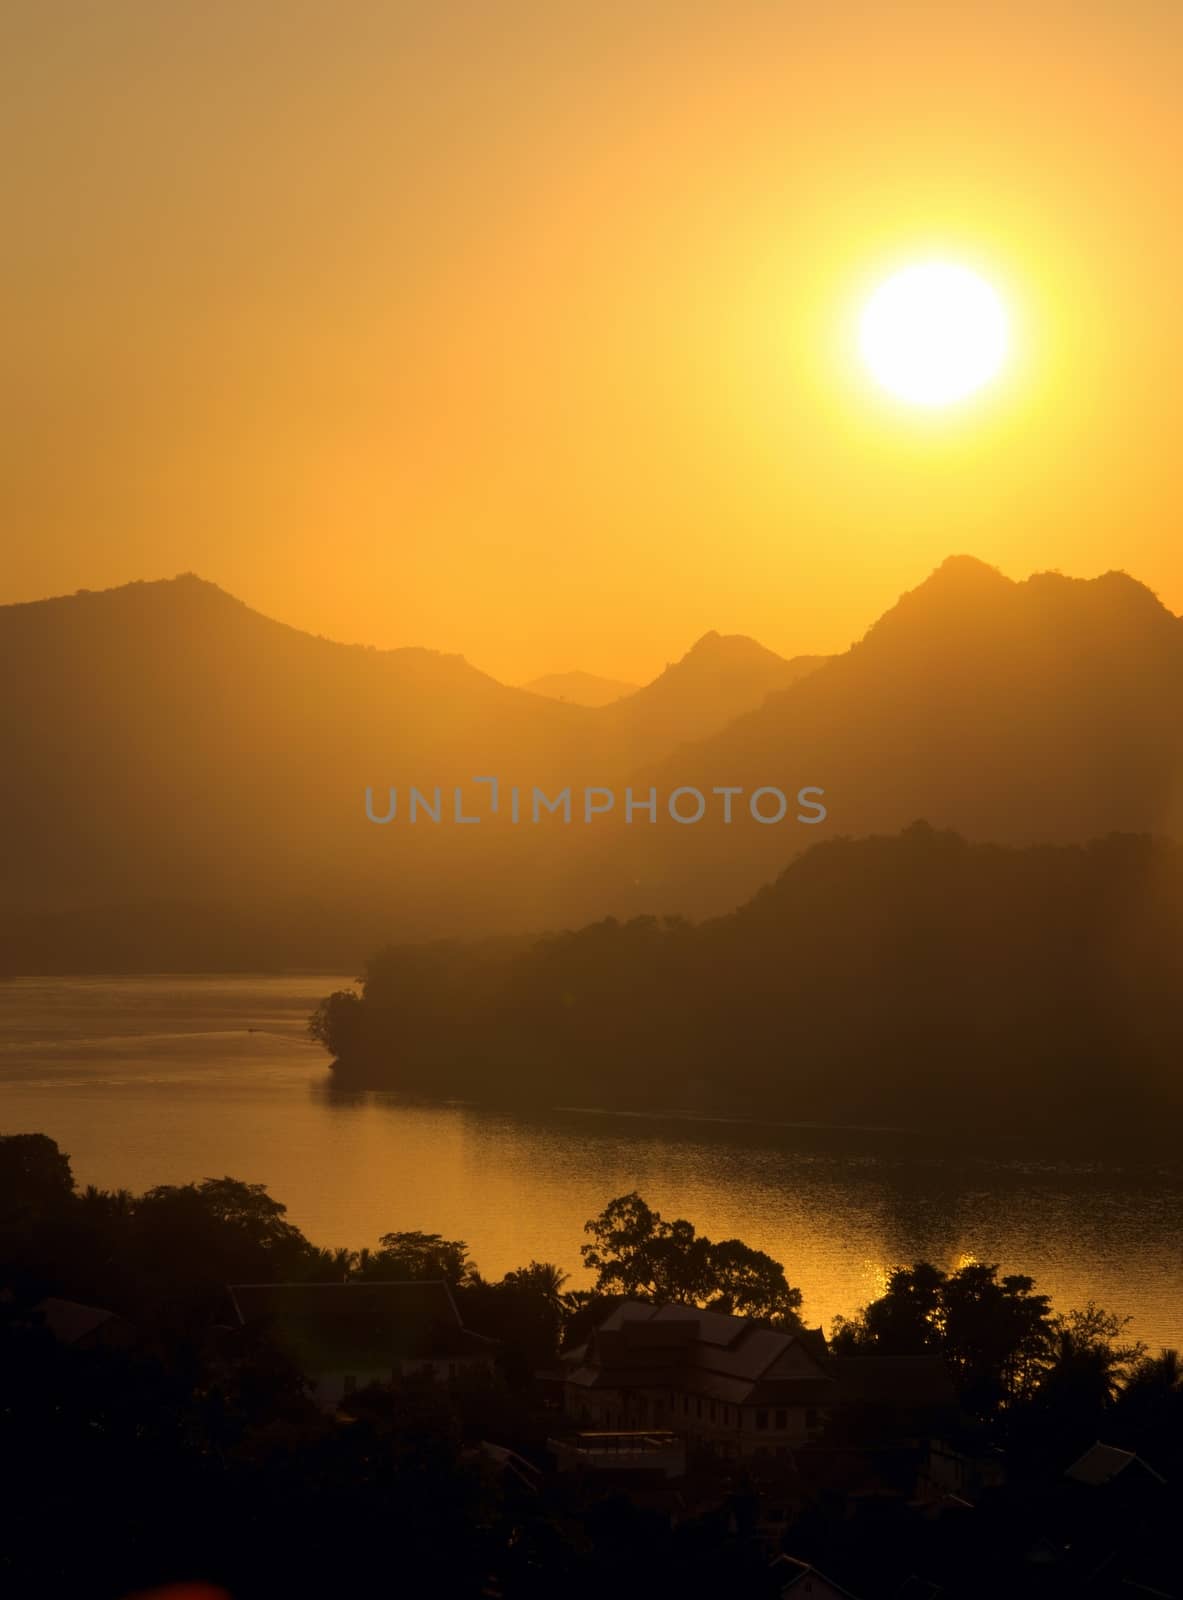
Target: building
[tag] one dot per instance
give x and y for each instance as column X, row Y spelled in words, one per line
column 1103, row 1465
column 345, row 1336
column 799, row 1580
column 1109, row 1528
column 728, row 1382
column 85, row 1327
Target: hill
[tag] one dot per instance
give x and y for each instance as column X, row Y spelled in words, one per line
column 580, row 688
column 167, row 744
column 168, row 748
column 1044, row 710
column 720, row 678
column 913, row 981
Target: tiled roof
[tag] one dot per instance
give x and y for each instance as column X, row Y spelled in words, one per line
column 69, row 1322
column 707, row 1353
column 1102, row 1463
column 798, row 1576
column 711, row 1327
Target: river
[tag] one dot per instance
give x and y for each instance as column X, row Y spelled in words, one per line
column 152, row 1080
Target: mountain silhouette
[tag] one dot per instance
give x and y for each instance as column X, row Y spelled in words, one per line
column 718, row 679
column 580, row 688
column 166, row 745
column 1017, row 712
column 911, row 980
column 172, row 743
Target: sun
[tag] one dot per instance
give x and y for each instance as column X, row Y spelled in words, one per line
column 933, row 333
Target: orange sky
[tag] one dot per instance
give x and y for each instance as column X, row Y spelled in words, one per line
column 523, row 330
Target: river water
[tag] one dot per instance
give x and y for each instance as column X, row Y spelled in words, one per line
column 168, row 1079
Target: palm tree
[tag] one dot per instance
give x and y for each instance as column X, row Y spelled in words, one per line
column 109, row 1202
column 331, row 1266
column 1149, row 1407
column 1153, row 1381
column 545, row 1278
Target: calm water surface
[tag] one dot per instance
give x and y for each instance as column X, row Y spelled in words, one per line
column 163, row 1080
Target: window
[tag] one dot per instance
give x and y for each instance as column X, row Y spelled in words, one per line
column 780, row 1419
column 698, row 1407
column 761, row 1419
column 712, row 1411
column 811, row 1418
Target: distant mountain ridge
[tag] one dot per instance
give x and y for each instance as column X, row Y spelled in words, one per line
column 164, row 743
column 721, row 677
column 581, row 688
column 1016, row 712
column 912, row 980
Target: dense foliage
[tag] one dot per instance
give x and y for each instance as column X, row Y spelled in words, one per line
column 917, row 980
column 636, row 1253
column 186, row 1454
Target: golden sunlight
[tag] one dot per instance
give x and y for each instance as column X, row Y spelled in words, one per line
column 933, row 333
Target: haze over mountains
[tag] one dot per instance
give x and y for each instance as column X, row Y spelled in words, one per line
column 1015, row 712
column 170, row 749
column 581, row 688
column 168, row 745
column 914, row 980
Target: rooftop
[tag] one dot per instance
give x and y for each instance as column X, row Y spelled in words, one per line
column 1103, row 1463
column 798, row 1577
column 721, row 1357
column 70, row 1322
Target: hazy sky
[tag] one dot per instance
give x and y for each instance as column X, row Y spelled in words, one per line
column 524, row 330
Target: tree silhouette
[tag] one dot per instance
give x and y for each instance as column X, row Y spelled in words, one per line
column 418, row 1256
column 637, row 1253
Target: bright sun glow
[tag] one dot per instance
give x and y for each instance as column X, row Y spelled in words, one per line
column 933, row 333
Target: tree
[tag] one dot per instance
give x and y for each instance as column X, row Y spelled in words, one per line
column 905, row 1321
column 106, row 1204
column 327, row 1265
column 337, row 1023
column 1148, row 1411
column 991, row 1332
column 635, row 1252
column 1092, row 1340
column 524, row 1312
column 199, row 1237
column 1153, row 1381
column 543, row 1278
column 35, row 1176
column 999, row 1338
column 995, row 1332
column 748, row 1283
column 417, row 1256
